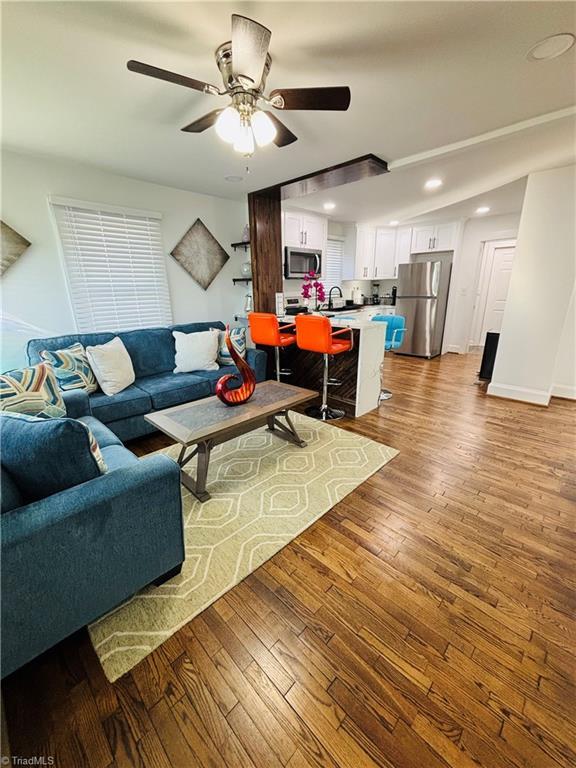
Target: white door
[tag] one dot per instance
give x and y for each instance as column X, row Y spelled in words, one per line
column 494, row 283
column 422, row 239
column 444, row 237
column 384, row 254
column 314, row 228
column 292, row 229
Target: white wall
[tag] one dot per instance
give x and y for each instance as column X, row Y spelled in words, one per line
column 466, row 272
column 565, row 372
column 541, row 289
column 34, row 291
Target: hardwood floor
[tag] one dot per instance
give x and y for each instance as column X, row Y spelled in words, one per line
column 427, row 620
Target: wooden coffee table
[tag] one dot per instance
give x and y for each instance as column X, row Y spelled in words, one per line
column 201, row 425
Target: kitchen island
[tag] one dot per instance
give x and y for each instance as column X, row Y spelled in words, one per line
column 357, row 370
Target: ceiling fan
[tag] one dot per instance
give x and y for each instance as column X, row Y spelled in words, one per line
column 244, row 64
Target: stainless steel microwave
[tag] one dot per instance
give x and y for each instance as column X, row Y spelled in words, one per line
column 300, row 261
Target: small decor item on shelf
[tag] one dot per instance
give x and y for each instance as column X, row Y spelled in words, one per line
column 246, row 234
column 311, row 284
column 244, row 392
column 248, row 304
column 246, row 269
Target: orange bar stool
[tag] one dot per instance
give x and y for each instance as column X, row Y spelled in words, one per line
column 265, row 330
column 314, row 334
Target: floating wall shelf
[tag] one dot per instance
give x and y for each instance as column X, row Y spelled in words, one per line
column 246, row 280
column 240, row 245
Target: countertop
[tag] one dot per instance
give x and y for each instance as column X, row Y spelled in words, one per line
column 345, row 321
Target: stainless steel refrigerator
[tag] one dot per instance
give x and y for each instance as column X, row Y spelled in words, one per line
column 421, row 298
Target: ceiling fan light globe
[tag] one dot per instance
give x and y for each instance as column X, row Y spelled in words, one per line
column 263, row 128
column 228, row 125
column 245, row 140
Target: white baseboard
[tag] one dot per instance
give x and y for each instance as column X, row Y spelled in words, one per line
column 454, row 348
column 561, row 390
column 535, row 396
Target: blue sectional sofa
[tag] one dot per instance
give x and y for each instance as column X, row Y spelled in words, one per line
column 152, row 351
column 73, row 555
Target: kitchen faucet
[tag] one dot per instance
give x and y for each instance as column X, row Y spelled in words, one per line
column 334, row 287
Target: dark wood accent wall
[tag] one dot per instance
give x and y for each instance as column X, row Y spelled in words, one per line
column 265, row 217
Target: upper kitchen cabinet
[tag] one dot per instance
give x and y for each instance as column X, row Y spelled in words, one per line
column 431, row 239
column 365, row 247
column 384, row 254
column 304, row 230
column 402, row 249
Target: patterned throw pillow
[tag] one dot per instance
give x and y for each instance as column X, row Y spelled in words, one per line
column 71, row 367
column 238, row 339
column 33, row 391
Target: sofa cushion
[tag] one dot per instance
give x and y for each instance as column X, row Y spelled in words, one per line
column 45, row 456
column 167, row 389
column 103, row 435
column 33, row 391
column 213, row 376
column 118, row 457
column 196, row 351
column 132, row 401
column 195, row 327
column 71, row 368
column 151, row 350
column 10, row 496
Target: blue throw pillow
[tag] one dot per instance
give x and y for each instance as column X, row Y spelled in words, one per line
column 71, row 367
column 46, row 456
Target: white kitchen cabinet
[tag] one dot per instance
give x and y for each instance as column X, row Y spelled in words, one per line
column 431, row 239
column 365, row 246
column 384, row 254
column 292, row 229
column 303, row 230
column 402, row 249
column 315, row 229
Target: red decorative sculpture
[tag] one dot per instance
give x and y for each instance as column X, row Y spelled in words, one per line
column 244, row 392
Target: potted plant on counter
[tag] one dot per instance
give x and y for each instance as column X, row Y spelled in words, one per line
column 312, row 288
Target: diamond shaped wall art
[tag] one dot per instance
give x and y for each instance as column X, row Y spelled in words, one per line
column 12, row 245
column 200, row 254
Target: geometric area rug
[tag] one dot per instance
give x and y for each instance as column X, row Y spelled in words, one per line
column 265, row 491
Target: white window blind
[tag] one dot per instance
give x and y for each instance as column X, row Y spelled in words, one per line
column 332, row 269
column 115, row 267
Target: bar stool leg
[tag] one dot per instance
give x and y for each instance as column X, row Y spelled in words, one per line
column 325, row 413
column 385, row 394
column 277, row 360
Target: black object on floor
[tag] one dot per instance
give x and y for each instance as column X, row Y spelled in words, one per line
column 489, row 356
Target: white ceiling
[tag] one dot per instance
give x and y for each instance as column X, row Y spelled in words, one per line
column 471, row 173
column 422, row 75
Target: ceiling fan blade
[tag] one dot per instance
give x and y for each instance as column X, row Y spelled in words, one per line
column 202, row 123
column 172, row 77
column 336, row 98
column 284, row 136
column 250, row 43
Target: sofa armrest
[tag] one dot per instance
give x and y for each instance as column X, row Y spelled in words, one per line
column 77, row 403
column 257, row 359
column 70, row 558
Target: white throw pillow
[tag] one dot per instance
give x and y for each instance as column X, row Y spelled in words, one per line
column 112, row 366
column 196, row 351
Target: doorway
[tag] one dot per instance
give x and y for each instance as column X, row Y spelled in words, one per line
column 493, row 285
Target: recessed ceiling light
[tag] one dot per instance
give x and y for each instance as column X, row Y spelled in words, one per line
column 233, row 179
column 433, row 184
column 393, row 223
column 483, row 209
column 551, row 47
column 329, row 206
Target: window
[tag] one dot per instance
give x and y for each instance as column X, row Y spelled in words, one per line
column 332, row 269
column 115, row 266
